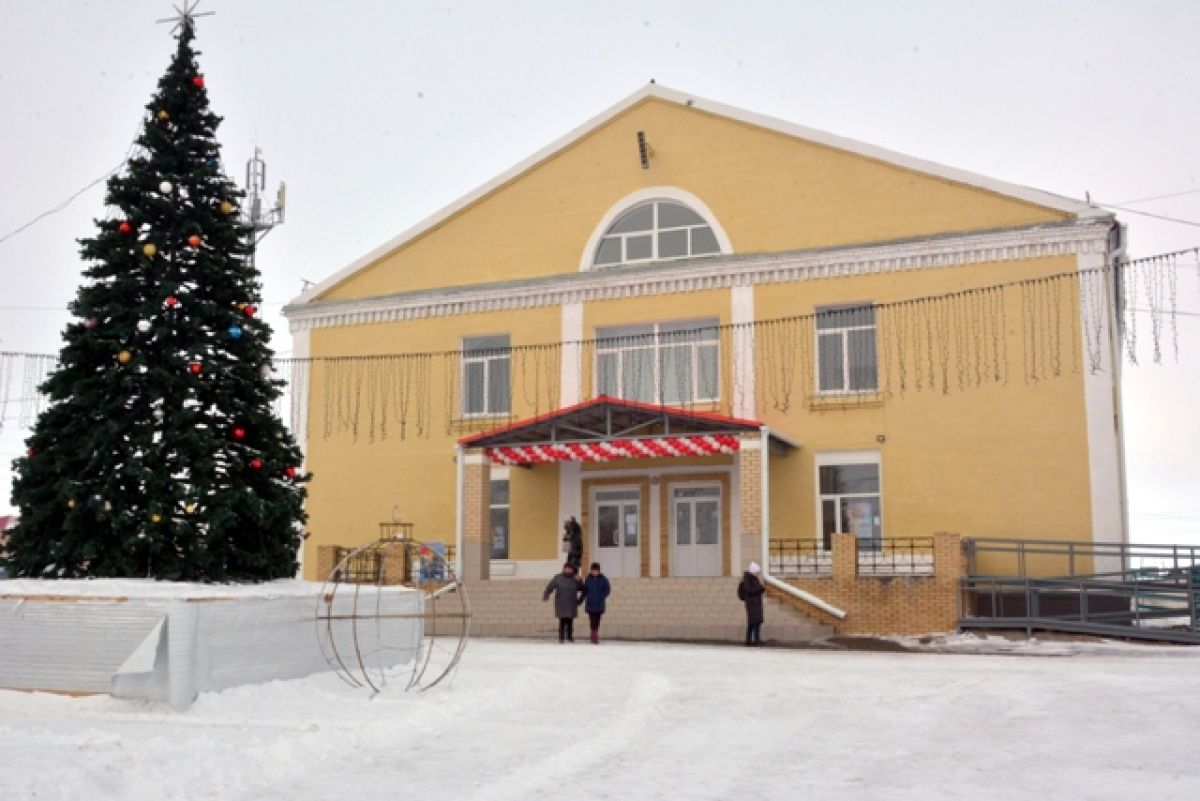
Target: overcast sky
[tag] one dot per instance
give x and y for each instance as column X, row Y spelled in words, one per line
column 377, row 114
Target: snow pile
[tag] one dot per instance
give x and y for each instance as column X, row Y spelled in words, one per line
column 641, row 721
column 166, row 642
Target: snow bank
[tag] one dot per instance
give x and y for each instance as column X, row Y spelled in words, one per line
column 169, row 641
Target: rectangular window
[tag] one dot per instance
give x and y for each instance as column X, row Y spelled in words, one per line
column 846, row 358
column 670, row 363
column 849, row 496
column 486, row 386
column 498, row 514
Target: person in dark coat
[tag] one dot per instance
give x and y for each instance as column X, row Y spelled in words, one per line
column 751, row 593
column 573, row 541
column 568, row 590
column 595, row 589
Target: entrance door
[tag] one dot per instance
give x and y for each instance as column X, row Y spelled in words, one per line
column 618, row 516
column 696, row 531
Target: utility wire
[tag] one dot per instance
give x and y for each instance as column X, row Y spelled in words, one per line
column 67, row 202
column 1128, row 210
column 1016, row 282
column 1157, row 197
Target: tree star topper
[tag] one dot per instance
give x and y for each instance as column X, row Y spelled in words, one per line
column 187, row 14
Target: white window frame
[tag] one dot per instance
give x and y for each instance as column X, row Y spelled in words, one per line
column 500, row 475
column 587, row 256
column 844, row 332
column 654, row 343
column 838, row 458
column 485, row 358
column 653, row 232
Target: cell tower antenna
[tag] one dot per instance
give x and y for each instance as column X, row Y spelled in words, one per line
column 260, row 220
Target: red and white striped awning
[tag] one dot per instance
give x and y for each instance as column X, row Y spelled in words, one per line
column 607, row 450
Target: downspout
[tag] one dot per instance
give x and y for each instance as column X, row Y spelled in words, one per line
column 768, row 579
column 459, row 456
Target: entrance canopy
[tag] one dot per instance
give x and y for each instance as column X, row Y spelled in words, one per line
column 604, row 428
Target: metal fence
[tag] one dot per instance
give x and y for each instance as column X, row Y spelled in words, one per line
column 803, row 558
column 897, row 556
column 808, row 558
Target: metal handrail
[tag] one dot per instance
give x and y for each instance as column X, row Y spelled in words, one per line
column 1108, row 603
column 1146, row 555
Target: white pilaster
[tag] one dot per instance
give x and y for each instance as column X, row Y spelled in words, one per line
column 572, row 353
column 1101, row 402
column 741, row 315
column 298, row 386
column 570, row 502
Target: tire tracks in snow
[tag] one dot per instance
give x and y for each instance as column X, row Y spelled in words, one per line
column 600, row 743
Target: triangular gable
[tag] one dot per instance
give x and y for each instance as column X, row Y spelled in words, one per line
column 654, row 91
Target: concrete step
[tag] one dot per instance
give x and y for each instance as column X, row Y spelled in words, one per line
column 677, row 608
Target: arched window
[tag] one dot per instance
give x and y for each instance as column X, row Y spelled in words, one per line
column 655, row 230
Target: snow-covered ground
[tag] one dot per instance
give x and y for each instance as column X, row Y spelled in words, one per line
column 526, row 720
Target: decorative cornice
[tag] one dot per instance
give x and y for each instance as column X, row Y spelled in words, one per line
column 696, row 275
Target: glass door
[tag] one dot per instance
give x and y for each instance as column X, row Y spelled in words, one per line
column 618, row 516
column 696, row 534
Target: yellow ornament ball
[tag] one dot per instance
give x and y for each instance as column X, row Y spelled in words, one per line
column 191, row 508
column 124, row 357
column 155, row 518
column 107, row 506
column 149, row 248
column 163, row 115
column 71, row 503
column 226, row 207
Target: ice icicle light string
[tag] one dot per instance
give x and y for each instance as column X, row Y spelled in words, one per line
column 1044, row 327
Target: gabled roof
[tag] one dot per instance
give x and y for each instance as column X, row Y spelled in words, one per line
column 653, row 90
column 604, row 417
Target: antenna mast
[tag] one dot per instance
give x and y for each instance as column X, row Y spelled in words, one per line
column 260, row 220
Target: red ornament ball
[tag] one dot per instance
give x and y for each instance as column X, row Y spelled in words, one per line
column 125, row 227
column 172, row 301
column 290, row 472
column 194, row 367
column 256, row 464
column 32, row 452
column 239, row 433
column 194, row 241
column 250, row 310
column 198, row 81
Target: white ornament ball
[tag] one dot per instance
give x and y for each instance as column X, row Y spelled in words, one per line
column 143, row 326
column 265, row 371
column 165, row 187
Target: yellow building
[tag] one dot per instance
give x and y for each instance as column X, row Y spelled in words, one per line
column 817, row 336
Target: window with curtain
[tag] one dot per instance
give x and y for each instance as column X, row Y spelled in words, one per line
column 486, row 387
column 669, row 363
column 846, row 351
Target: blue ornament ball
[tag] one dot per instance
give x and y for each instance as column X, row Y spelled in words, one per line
column 235, row 332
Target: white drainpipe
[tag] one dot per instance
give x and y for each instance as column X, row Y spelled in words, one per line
column 459, row 455
column 782, row 586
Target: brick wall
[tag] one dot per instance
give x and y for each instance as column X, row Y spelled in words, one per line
column 475, row 560
column 750, row 501
column 887, row 604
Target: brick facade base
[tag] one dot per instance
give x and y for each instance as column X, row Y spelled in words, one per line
column 887, row 604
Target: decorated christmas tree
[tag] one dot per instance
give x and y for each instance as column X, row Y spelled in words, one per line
column 159, row 453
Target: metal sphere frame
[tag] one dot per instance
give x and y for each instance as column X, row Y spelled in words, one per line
column 443, row 612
